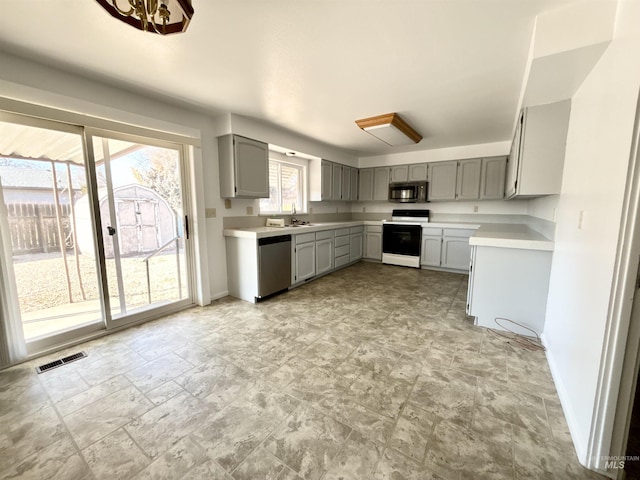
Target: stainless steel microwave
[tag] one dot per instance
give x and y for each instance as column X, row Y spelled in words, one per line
column 408, row 192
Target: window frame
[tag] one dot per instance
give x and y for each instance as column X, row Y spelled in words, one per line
column 303, row 167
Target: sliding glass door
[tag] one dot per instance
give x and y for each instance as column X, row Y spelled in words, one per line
column 44, row 183
column 96, row 226
column 143, row 224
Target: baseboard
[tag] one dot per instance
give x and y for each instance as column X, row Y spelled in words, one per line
column 580, row 447
column 219, row 295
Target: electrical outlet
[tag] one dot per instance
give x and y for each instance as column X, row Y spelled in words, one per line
column 310, row 210
column 475, row 209
column 227, row 203
column 210, row 212
column 364, row 209
column 249, row 210
column 336, row 209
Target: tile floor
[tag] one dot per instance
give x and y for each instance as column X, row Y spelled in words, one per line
column 372, row 372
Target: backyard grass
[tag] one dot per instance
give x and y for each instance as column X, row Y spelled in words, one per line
column 42, row 283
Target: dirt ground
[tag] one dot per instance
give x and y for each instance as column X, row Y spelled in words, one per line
column 42, row 282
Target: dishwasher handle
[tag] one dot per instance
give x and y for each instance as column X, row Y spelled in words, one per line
column 272, row 240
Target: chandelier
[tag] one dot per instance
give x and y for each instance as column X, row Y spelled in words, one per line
column 156, row 16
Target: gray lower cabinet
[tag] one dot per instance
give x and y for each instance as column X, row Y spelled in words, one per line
column 496, row 292
column 305, row 257
column 355, row 244
column 446, row 248
column 456, row 251
column 431, row 247
column 324, row 255
column 373, row 242
column 342, row 247
column 244, row 167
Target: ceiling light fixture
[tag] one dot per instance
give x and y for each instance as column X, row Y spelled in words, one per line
column 391, row 129
column 156, row 16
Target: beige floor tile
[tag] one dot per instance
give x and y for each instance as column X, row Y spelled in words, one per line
column 115, row 456
column 372, row 372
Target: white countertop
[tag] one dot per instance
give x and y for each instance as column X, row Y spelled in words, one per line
column 262, row 232
column 503, row 235
column 510, row 235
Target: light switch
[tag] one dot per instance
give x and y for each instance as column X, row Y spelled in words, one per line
column 209, row 212
column 227, row 203
column 475, row 209
column 249, row 210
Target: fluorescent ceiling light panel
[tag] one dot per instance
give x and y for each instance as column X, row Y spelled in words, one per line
column 391, row 129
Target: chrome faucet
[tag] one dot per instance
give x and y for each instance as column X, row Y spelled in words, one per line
column 294, row 220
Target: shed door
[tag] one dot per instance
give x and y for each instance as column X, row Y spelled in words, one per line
column 138, row 225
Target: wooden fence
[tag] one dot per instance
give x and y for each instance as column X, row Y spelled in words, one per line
column 34, row 228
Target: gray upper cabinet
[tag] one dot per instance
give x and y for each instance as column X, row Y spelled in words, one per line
column 354, row 185
column 346, row 183
column 365, row 184
column 244, row 167
column 492, row 179
column 320, row 180
column 381, row 184
column 443, row 180
column 326, row 177
column 468, row 179
column 336, row 181
column 399, row 173
column 536, row 160
column 418, row 172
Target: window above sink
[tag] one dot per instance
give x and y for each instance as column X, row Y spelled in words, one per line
column 287, row 186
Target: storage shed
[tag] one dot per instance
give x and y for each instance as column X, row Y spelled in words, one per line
column 144, row 221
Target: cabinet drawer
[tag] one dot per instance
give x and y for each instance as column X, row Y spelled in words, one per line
column 356, row 230
column 436, row 232
column 340, row 241
column 343, row 260
column 305, row 237
column 342, row 231
column 324, row 235
column 374, row 229
column 458, row 232
column 342, row 250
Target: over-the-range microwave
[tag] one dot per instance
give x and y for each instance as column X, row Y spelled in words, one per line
column 408, row 192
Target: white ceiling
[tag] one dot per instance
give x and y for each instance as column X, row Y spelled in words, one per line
column 452, row 68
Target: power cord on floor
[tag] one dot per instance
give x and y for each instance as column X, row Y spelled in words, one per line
column 528, row 343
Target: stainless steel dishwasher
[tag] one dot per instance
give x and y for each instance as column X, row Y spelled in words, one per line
column 274, row 264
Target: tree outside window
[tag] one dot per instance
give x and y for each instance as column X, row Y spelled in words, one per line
column 286, row 188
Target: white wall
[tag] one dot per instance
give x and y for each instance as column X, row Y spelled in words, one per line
column 597, row 155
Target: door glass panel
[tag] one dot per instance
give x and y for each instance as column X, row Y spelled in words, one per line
column 141, row 207
column 44, row 187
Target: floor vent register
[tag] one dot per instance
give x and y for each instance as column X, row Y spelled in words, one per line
column 60, row 362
